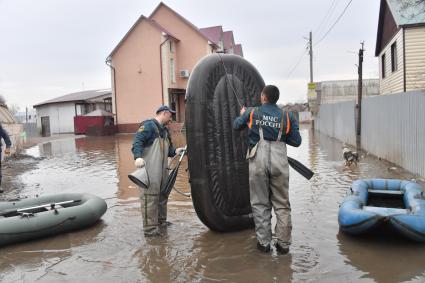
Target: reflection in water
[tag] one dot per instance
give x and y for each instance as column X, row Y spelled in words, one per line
column 117, row 251
column 30, row 257
column 384, row 259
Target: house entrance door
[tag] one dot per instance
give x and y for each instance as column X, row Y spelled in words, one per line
column 45, row 126
column 177, row 104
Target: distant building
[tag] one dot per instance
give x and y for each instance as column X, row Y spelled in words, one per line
column 29, row 116
column 151, row 65
column 56, row 116
column 344, row 90
column 400, row 46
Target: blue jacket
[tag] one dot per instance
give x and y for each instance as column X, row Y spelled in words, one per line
column 4, row 135
column 147, row 133
column 269, row 116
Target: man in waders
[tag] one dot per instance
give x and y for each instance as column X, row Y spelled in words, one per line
column 4, row 135
column 151, row 148
column 270, row 130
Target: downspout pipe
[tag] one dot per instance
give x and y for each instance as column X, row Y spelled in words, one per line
column 160, row 67
column 109, row 63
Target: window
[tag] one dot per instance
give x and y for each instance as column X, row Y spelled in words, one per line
column 383, row 65
column 108, row 104
column 394, row 65
column 172, row 71
column 171, row 47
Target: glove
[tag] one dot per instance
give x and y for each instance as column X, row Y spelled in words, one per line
column 7, row 150
column 179, row 150
column 139, row 162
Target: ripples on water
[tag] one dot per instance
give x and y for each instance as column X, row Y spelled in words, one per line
column 115, row 250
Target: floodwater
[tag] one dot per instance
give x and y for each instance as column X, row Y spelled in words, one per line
column 115, row 250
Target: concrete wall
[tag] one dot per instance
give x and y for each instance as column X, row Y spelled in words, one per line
column 392, row 127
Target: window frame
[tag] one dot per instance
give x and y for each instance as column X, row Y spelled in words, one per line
column 394, row 61
column 172, row 70
column 383, row 66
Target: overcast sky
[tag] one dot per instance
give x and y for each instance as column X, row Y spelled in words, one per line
column 49, row 48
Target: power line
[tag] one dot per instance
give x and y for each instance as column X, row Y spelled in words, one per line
column 337, row 20
column 296, row 65
column 327, row 15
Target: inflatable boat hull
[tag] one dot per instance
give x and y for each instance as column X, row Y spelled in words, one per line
column 29, row 219
column 356, row 216
column 216, row 153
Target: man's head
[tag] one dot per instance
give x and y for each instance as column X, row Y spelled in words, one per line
column 164, row 114
column 270, row 94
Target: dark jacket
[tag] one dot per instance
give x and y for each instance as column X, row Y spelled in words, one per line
column 148, row 131
column 5, row 136
column 269, row 116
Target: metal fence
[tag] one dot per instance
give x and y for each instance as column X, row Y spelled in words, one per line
column 31, row 129
column 337, row 120
column 392, row 127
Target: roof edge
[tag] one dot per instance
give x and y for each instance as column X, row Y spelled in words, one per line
column 187, row 22
column 75, row 100
column 139, row 20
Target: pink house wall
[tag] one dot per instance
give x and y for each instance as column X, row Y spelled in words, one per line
column 191, row 47
column 138, row 75
column 137, row 64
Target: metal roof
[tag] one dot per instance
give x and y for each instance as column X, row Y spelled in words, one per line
column 228, row 40
column 214, row 34
column 238, row 50
column 406, row 12
column 78, row 96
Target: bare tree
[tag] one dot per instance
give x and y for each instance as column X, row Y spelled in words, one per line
column 13, row 109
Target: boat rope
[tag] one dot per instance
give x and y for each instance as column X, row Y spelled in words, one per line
column 40, row 230
column 228, row 81
column 183, row 194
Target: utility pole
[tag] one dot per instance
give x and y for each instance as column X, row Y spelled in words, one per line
column 359, row 97
column 311, row 56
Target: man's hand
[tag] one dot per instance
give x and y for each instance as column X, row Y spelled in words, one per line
column 139, row 162
column 7, row 151
column 243, row 110
column 179, row 150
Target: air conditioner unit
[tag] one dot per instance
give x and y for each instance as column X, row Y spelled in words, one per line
column 184, row 73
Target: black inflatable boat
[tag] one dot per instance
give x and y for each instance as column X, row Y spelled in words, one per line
column 218, row 86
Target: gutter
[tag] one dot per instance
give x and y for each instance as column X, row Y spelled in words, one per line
column 108, row 62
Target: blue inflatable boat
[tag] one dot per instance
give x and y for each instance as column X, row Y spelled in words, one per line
column 384, row 201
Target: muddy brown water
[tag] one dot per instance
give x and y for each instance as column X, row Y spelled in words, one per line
column 115, row 250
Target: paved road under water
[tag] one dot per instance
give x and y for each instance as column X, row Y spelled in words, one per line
column 115, row 250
